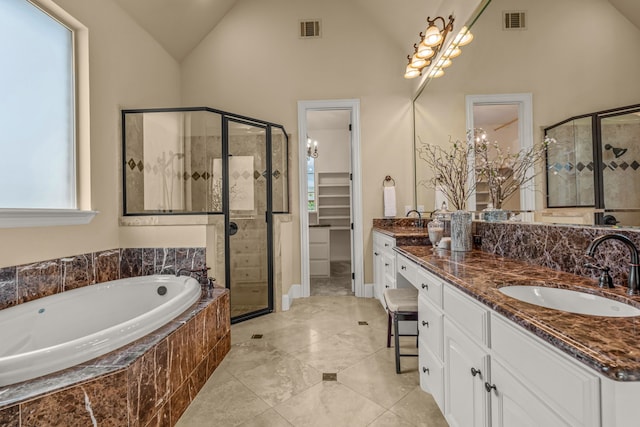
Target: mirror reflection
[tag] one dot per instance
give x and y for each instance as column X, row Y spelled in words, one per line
column 569, row 70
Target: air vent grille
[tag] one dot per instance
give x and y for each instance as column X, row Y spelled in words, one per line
column 514, row 20
column 310, row 28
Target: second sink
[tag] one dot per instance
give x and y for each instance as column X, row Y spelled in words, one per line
column 571, row 301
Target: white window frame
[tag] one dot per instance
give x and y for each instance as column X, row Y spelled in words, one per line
column 10, row 218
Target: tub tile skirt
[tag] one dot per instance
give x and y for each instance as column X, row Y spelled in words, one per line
column 149, row 382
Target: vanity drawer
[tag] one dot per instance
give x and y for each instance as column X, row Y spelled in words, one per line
column 430, row 286
column 431, row 375
column 470, row 316
column 387, row 243
column 430, row 321
column 407, row 268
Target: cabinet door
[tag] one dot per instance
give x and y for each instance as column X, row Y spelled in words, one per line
column 513, row 404
column 466, row 400
column 378, row 271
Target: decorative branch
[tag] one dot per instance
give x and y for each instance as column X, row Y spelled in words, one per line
column 505, row 172
column 451, row 170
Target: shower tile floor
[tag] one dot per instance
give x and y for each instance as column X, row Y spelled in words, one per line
column 337, row 284
column 277, row 380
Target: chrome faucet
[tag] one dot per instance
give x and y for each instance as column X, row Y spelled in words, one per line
column 634, row 270
column 419, row 222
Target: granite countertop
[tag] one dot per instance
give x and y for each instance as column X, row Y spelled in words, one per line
column 609, row 345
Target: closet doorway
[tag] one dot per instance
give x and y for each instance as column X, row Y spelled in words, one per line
column 330, row 208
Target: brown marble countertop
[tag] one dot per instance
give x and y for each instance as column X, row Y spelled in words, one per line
column 610, row 345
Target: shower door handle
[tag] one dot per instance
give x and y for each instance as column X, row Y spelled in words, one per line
column 233, row 228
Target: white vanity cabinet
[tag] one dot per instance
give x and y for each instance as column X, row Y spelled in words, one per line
column 466, row 360
column 536, row 384
column 384, row 264
column 430, row 330
column 485, row 370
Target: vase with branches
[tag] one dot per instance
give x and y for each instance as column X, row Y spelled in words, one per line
column 505, row 172
column 451, row 170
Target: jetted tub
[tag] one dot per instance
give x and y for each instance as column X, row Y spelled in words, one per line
column 62, row 330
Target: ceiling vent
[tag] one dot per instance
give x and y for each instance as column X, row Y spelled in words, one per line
column 310, row 29
column 514, row 20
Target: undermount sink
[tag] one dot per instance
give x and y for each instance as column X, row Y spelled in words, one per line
column 570, row 300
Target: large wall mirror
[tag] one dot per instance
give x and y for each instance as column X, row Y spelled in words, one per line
column 547, row 49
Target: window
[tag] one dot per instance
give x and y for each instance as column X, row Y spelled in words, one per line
column 311, row 184
column 39, row 112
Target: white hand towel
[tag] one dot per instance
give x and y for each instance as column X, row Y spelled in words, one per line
column 389, row 197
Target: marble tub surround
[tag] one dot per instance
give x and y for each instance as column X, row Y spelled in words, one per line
column 559, row 247
column 606, row 344
column 148, row 382
column 27, row 282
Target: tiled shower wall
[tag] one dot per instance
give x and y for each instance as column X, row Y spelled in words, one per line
column 560, row 247
column 27, row 282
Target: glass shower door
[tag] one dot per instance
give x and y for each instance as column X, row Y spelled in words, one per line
column 248, row 238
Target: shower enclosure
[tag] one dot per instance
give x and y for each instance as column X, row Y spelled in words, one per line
column 229, row 168
column 595, row 162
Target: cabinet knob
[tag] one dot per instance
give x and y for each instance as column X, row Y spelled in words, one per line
column 386, row 245
column 404, row 267
column 490, row 387
column 376, row 253
column 386, row 264
column 386, row 286
column 425, row 286
column 475, row 372
column 425, row 370
column 424, row 323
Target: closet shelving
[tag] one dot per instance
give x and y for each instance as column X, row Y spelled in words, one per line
column 334, row 200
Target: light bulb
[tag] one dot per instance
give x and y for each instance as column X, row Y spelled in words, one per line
column 432, row 36
column 463, row 38
column 436, row 72
column 417, row 62
column 443, row 63
column 411, row 72
column 424, row 51
column 452, row 52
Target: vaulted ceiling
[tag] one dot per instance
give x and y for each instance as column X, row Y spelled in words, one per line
column 179, row 25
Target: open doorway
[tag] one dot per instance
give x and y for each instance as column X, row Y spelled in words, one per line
column 329, row 202
column 330, row 198
column 508, row 119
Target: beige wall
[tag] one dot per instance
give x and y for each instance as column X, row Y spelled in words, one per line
column 253, row 63
column 127, row 69
column 576, row 57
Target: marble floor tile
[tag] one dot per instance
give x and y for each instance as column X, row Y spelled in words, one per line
column 329, row 404
column 268, row 418
column 389, row 419
column 364, row 337
column 385, row 387
column 278, row 380
column 293, row 338
column 420, row 407
column 226, row 403
column 330, row 355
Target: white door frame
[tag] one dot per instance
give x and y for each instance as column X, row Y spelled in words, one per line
column 525, row 135
column 357, row 260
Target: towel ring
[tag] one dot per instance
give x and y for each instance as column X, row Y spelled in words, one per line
column 388, row 179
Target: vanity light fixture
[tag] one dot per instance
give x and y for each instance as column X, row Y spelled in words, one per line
column 431, row 43
column 312, row 148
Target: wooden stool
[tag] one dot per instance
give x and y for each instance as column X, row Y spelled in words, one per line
column 402, row 304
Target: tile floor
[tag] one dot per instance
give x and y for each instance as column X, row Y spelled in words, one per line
column 278, row 380
column 338, row 283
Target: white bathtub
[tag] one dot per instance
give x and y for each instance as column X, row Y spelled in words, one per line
column 56, row 332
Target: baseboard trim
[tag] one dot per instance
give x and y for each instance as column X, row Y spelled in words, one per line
column 368, row 290
column 295, row 291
